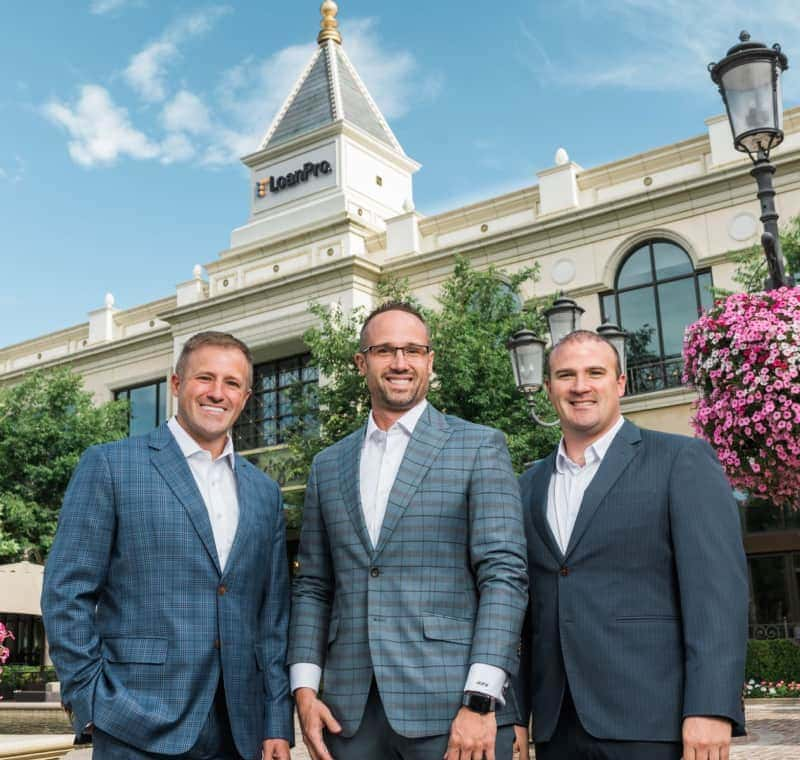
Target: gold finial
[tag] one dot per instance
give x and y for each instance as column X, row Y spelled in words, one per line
column 329, row 24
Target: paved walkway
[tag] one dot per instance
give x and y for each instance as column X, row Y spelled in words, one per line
column 773, row 726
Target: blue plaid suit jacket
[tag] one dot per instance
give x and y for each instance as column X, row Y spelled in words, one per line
column 139, row 625
column 445, row 587
column 645, row 616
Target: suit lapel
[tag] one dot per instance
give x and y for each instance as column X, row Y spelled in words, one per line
column 538, row 505
column 430, row 434
column 247, row 496
column 623, row 449
column 349, row 479
column 169, row 460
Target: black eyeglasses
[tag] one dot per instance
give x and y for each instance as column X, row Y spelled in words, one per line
column 388, row 351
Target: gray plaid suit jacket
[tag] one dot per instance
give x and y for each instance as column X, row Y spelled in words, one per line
column 140, row 620
column 646, row 614
column 445, row 587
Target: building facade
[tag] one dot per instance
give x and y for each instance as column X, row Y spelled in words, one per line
column 638, row 242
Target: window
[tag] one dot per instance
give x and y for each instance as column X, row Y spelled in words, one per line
column 269, row 411
column 774, row 595
column 147, row 406
column 657, row 294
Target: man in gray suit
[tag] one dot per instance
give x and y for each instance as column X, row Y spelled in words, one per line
column 411, row 588
column 635, row 641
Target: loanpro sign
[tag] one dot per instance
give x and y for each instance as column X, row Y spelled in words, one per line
column 276, row 184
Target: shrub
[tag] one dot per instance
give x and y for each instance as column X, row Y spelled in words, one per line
column 773, row 660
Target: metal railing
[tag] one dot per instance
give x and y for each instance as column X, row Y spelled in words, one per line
column 782, row 630
column 655, row 376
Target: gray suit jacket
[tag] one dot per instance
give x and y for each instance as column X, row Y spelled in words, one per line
column 445, row 587
column 646, row 614
column 142, row 623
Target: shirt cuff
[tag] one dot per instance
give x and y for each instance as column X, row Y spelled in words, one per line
column 304, row 675
column 487, row 679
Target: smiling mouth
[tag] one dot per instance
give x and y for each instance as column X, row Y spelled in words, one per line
column 216, row 410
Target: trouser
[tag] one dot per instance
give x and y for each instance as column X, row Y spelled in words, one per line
column 377, row 740
column 214, row 743
column 571, row 741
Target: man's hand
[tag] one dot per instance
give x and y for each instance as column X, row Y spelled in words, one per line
column 521, row 742
column 472, row 736
column 706, row 738
column 275, row 749
column 314, row 716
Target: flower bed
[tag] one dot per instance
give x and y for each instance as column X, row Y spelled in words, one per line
column 754, row 689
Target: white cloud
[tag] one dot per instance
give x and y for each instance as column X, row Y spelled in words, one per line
column 147, row 70
column 186, row 112
column 218, row 127
column 15, row 174
column 100, row 7
column 658, row 45
column 393, row 78
column 176, row 148
column 100, row 131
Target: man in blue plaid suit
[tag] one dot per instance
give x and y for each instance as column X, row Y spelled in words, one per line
column 635, row 644
column 165, row 595
column 411, row 587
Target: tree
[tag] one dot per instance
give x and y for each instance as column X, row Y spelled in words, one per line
column 46, row 422
column 751, row 264
column 473, row 379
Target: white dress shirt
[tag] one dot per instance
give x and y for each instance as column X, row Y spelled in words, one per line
column 381, row 456
column 216, row 481
column 569, row 482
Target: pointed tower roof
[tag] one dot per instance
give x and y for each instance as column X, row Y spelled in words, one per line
column 328, row 90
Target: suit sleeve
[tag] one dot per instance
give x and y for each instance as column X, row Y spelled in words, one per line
column 312, row 593
column 712, row 577
column 498, row 556
column 74, row 576
column 275, row 629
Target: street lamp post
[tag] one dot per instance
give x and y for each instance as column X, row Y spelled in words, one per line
column 527, row 350
column 748, row 78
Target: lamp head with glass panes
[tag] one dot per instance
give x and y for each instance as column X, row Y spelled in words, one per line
column 749, row 80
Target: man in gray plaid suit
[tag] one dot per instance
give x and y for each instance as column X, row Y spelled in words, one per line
column 166, row 591
column 411, row 588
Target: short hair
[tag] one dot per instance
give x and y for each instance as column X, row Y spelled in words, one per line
column 213, row 338
column 582, row 336
column 391, row 306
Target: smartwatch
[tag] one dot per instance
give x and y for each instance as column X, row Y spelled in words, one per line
column 477, row 702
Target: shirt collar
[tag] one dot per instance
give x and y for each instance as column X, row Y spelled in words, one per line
column 594, row 452
column 407, row 422
column 190, row 447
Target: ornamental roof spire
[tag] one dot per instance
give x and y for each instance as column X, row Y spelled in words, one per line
column 329, row 25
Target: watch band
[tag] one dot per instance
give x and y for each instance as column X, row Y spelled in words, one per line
column 477, row 702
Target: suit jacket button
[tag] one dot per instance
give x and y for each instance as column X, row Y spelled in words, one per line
column 217, row 644
column 374, row 572
column 221, row 590
column 564, row 571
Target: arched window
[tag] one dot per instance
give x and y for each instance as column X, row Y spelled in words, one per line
column 657, row 293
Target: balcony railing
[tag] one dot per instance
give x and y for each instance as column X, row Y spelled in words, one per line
column 783, row 630
column 655, row 376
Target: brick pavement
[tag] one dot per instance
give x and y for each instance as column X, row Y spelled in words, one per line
column 773, row 726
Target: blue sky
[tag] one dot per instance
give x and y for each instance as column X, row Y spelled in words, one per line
column 121, row 121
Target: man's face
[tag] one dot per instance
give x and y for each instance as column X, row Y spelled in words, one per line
column 584, row 388
column 395, row 383
column 212, row 393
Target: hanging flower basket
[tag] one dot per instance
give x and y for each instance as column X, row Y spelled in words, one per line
column 743, row 356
